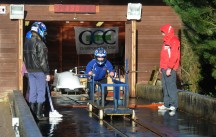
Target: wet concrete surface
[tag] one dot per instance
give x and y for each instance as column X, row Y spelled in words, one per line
column 78, row 122
column 179, row 124
column 75, row 123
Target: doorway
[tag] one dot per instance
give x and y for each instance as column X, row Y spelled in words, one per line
column 62, row 46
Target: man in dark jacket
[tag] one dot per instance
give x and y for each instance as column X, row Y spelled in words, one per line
column 36, row 61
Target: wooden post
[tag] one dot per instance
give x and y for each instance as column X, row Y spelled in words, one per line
column 133, row 61
column 20, row 58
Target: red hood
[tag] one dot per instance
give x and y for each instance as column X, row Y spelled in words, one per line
column 168, row 30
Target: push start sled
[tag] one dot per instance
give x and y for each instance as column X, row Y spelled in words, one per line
column 119, row 105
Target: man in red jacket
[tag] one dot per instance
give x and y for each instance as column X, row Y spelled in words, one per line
column 169, row 63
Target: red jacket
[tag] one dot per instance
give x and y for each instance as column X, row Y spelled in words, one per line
column 170, row 53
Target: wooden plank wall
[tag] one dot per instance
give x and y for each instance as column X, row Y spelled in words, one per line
column 46, row 12
column 8, row 54
column 149, row 39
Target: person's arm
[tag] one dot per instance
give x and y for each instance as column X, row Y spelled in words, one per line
column 174, row 54
column 110, row 69
column 174, row 50
column 43, row 57
column 89, row 68
column 24, row 70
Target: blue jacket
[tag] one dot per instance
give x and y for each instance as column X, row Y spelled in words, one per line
column 100, row 71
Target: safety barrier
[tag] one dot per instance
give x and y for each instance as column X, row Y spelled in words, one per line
column 198, row 105
column 26, row 124
column 195, row 104
column 149, row 92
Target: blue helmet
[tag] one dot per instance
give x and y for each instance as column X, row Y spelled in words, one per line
column 100, row 53
column 40, row 29
column 28, row 35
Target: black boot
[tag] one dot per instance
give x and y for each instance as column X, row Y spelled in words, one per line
column 33, row 108
column 40, row 115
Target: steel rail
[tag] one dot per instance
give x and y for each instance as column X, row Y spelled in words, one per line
column 147, row 126
column 107, row 123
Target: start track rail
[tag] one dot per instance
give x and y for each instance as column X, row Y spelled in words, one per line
column 146, row 127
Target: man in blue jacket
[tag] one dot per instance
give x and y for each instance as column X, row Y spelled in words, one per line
column 99, row 66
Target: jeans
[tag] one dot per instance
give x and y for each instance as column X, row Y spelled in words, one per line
column 37, row 84
column 170, row 91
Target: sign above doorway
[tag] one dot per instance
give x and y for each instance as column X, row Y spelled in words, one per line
column 90, row 9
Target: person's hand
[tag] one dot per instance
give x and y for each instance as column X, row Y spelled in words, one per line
column 168, row 72
column 90, row 73
column 47, row 77
column 160, row 70
column 112, row 74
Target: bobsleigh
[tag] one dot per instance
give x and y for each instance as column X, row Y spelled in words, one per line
column 68, row 81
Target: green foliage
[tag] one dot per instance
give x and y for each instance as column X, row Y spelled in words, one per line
column 199, row 19
column 190, row 66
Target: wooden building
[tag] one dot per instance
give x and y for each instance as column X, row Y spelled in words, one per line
column 139, row 41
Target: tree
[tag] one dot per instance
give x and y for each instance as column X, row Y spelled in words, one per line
column 199, row 19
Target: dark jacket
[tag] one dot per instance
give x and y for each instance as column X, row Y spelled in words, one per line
column 35, row 55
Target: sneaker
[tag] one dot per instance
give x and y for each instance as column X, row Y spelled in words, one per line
column 163, row 107
column 172, row 108
column 161, row 111
column 172, row 113
column 55, row 114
